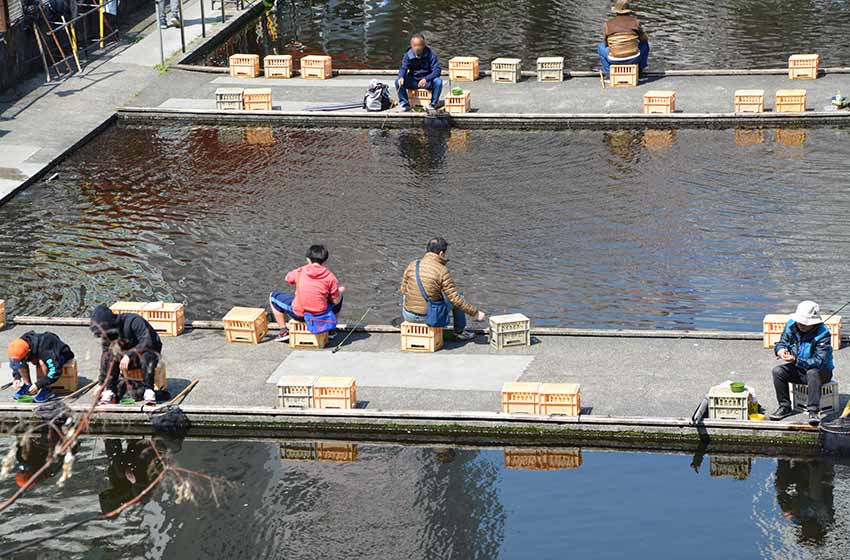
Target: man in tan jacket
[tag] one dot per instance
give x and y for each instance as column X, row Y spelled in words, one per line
column 438, row 285
column 625, row 41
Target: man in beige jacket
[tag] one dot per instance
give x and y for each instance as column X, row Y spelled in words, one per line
column 438, row 285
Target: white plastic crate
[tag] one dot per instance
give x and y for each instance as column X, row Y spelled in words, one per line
column 506, row 70
column 830, row 397
column 550, row 69
column 228, row 99
column 295, row 391
column 724, row 404
column 510, row 330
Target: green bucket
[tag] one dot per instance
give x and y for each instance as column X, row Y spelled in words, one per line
column 738, row 386
column 127, row 402
column 25, row 399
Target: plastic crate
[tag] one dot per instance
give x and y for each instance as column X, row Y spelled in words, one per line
column 749, row 137
column 419, row 97
column 160, row 380
column 550, row 69
column 257, row 99
column 166, row 318
column 542, row 459
column 337, row 452
column 419, row 337
column 278, row 66
column 506, row 70
column 298, row 451
column 510, row 330
column 749, row 101
column 624, row 75
column 738, row 468
column 228, row 99
column 803, row 66
column 773, row 326
column 127, row 307
column 790, row 101
column 560, row 398
column 295, row 391
column 246, row 324
column 316, row 67
column 244, row 65
column 830, row 397
column 2, row 313
column 335, row 392
column 67, row 382
column 521, row 397
column 302, row 339
column 464, row 68
column 791, row 137
column 457, row 104
column 723, row 404
column 659, row 102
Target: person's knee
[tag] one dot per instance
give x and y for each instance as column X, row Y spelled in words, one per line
column 437, row 83
column 778, row 372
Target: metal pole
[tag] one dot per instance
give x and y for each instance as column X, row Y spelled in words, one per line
column 222, row 11
column 182, row 33
column 158, row 26
column 203, row 23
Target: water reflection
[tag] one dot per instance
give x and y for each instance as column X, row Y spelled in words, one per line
column 804, row 491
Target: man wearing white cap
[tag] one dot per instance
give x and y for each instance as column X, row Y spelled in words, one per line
column 806, row 350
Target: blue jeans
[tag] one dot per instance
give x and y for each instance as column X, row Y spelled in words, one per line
column 283, row 303
column 641, row 59
column 458, row 317
column 435, row 87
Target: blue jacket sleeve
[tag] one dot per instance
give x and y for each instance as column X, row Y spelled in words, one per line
column 402, row 72
column 818, row 357
column 435, row 67
column 784, row 341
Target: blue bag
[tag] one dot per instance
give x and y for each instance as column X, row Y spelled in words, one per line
column 438, row 311
column 323, row 322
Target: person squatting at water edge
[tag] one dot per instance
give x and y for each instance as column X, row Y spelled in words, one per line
column 427, row 286
column 806, row 350
column 317, row 299
column 41, row 349
column 128, row 342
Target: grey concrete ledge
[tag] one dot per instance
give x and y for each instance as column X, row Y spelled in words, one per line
column 484, row 120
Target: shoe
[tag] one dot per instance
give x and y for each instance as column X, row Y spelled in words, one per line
column 163, row 25
column 107, row 397
column 174, row 22
column 465, row 335
column 402, row 109
column 332, row 334
column 283, row 336
column 150, row 396
column 814, row 419
column 430, row 110
column 43, row 395
column 24, row 390
column 782, row 413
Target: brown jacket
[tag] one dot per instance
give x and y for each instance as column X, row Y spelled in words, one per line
column 437, row 283
column 622, row 34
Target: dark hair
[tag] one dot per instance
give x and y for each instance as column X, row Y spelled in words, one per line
column 317, row 254
column 417, row 36
column 438, row 245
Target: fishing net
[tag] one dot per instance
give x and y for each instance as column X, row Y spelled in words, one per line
column 171, row 420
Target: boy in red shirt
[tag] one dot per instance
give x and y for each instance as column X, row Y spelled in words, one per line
column 316, row 289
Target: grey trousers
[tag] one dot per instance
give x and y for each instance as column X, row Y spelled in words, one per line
column 790, row 373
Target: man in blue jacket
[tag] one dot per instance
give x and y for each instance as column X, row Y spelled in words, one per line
column 420, row 69
column 806, row 350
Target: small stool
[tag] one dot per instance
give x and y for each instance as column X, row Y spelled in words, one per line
column 300, row 338
column 749, row 101
column 659, row 102
column 464, row 68
column 790, row 101
column 506, row 70
column 244, row 65
column 228, row 99
column 278, row 66
column 419, row 97
column 624, row 75
column 316, row 67
column 560, row 398
column 521, row 397
column 257, row 99
column 550, row 69
column 160, row 382
column 419, row 337
column 335, row 392
column 830, row 397
column 246, row 324
column 67, row 382
column 803, row 66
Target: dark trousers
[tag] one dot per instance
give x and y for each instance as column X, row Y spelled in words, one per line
column 146, row 361
column 790, row 373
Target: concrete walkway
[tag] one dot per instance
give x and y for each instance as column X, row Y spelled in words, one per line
column 619, row 376
column 44, row 121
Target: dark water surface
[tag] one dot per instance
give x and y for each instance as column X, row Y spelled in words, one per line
column 688, row 34
column 314, row 500
column 666, row 229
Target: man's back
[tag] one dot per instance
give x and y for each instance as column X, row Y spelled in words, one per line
column 622, row 35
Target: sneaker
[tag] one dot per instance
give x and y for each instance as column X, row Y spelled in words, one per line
column 283, row 336
column 332, row 334
column 174, row 22
column 107, row 397
column 43, row 395
column 150, row 396
column 782, row 413
column 402, row 109
column 24, row 390
column 464, row 335
column 814, row 419
column 163, row 25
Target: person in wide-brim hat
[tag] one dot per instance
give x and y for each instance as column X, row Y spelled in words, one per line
column 624, row 40
column 621, row 7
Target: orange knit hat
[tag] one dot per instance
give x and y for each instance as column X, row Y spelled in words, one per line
column 18, row 349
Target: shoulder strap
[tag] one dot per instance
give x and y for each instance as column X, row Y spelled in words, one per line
column 419, row 282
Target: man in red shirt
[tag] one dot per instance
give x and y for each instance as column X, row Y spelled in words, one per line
column 316, row 289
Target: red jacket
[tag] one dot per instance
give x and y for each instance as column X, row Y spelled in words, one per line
column 315, row 287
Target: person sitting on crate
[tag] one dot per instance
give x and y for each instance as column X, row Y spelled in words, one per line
column 317, row 299
column 430, row 293
column 625, row 41
column 41, row 349
column 806, row 350
column 128, row 342
column 420, row 69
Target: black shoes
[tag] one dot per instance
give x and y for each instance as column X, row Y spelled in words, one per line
column 814, row 419
column 782, row 413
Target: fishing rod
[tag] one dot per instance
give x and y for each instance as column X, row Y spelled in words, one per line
column 351, row 331
column 836, row 312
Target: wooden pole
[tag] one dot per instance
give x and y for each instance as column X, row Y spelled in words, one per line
column 55, row 40
column 72, row 43
column 41, row 50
